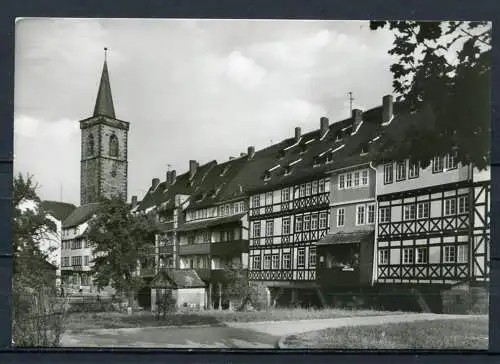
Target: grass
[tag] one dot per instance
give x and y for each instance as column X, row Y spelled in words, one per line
column 466, row 333
column 78, row 322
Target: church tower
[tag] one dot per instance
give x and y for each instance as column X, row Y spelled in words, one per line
column 103, row 166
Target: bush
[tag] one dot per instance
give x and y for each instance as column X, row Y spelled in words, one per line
column 38, row 317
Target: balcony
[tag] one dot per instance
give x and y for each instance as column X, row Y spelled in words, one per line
column 337, row 276
column 229, row 248
column 194, row 249
column 166, row 250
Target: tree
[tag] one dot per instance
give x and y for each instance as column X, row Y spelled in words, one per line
column 237, row 288
column 118, row 238
column 37, row 313
column 444, row 67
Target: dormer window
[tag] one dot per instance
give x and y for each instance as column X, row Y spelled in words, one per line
column 364, row 149
column 303, row 149
column 281, row 154
column 329, row 157
column 288, row 170
column 267, row 176
column 316, row 161
column 224, row 171
column 338, row 136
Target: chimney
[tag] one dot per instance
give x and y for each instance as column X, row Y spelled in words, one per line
column 134, row 202
column 356, row 117
column 154, row 183
column 323, row 125
column 172, row 176
column 232, row 158
column 251, row 152
column 387, row 111
column 192, row 168
column 168, row 178
column 297, row 133
column 242, row 155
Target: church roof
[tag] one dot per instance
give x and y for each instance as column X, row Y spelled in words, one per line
column 104, row 101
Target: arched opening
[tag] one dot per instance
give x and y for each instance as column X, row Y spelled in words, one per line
column 90, row 145
column 113, row 146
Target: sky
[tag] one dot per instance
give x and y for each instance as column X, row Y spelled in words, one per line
column 191, row 89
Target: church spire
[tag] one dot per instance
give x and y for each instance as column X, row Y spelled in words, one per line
column 104, row 101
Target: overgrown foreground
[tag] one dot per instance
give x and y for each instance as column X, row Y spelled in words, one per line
column 462, row 334
column 108, row 320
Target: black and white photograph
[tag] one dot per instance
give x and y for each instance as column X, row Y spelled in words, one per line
column 251, row 184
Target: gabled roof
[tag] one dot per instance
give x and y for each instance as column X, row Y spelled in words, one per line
column 165, row 195
column 177, row 278
column 190, row 226
column 60, row 210
column 80, row 215
column 104, row 101
column 355, row 237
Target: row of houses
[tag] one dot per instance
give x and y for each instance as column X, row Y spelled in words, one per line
column 312, row 214
column 305, row 218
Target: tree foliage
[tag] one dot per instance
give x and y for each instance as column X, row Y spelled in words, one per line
column 118, row 238
column 445, row 67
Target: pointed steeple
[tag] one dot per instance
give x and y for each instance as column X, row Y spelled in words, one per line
column 104, row 101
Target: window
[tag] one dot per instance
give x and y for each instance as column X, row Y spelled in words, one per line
column 314, row 222
column 113, row 146
column 286, row 261
column 256, row 229
column 340, row 216
column 341, row 182
column 275, row 261
column 308, row 189
column 348, row 180
column 65, row 262
column 385, row 214
column 401, row 171
column 285, row 194
column 90, row 145
column 323, row 218
column 286, row 226
column 314, row 187
column 269, row 198
column 409, row 212
column 302, row 190
column 383, row 256
column 307, row 222
column 86, row 260
column 267, row 262
column 76, row 244
column 463, row 204
column 312, row 257
column 301, row 258
column 206, row 236
column 270, row 228
column 408, row 257
column 298, row 223
column 76, row 261
column 256, row 262
column 423, row 210
column 437, row 164
column 356, row 179
column 462, row 254
column 450, row 206
column 413, row 170
column 364, row 177
column 370, row 219
column 256, row 201
column 422, row 255
column 450, row 161
column 450, row 254
column 360, row 215
column 388, row 173
column 321, row 186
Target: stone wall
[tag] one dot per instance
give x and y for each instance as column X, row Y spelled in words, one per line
column 466, row 299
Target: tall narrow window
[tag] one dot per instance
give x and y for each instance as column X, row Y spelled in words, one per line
column 463, row 204
column 388, row 173
column 307, row 222
column 385, row 214
column 323, row 220
column 113, row 146
column 450, row 254
column 401, row 171
column 286, row 261
column 308, row 189
column 285, row 194
column 450, row 161
column 450, row 206
column 314, row 221
column 286, row 226
column 423, row 210
column 275, row 264
column 413, row 170
column 256, row 229
column 370, row 214
column 90, row 145
column 256, row 201
column 356, row 179
column 360, row 215
column 269, row 198
column 341, row 182
column 256, row 262
column 348, row 180
column 312, row 257
column 340, row 216
column 462, row 254
column 422, row 255
column 321, row 186
column 314, row 187
column 298, row 223
column 383, row 256
column 364, row 177
column 437, row 164
column 408, row 256
column 301, row 258
column 302, row 190
column 267, row 262
column 409, row 212
column 270, row 228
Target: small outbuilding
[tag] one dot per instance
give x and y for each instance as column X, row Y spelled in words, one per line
column 184, row 286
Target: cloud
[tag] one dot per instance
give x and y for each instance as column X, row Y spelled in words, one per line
column 191, row 89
